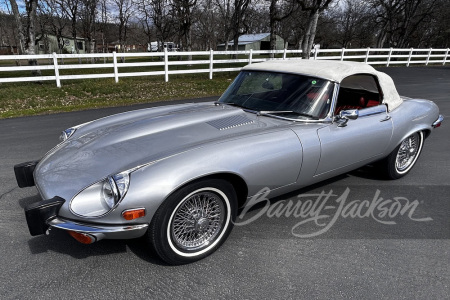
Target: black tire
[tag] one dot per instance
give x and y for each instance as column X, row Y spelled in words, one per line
column 194, row 221
column 404, row 156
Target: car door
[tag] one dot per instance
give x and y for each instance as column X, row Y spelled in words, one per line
column 359, row 141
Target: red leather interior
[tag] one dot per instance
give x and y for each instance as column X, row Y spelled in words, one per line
column 362, row 104
column 371, row 103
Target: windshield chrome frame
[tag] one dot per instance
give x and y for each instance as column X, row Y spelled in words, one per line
column 328, row 118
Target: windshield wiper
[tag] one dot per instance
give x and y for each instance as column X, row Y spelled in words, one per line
column 272, row 112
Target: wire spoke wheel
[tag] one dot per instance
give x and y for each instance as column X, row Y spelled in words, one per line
column 403, row 158
column 193, row 221
column 197, row 221
column 407, row 153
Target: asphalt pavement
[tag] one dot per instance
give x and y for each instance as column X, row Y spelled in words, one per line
column 399, row 251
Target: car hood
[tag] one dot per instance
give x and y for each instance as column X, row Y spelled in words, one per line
column 120, row 142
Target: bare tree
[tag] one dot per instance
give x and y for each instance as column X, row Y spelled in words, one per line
column 434, row 30
column 8, row 29
column 225, row 10
column 103, row 23
column 57, row 20
column 124, row 12
column 183, row 14
column 238, row 20
column 233, row 14
column 88, row 14
column 314, row 7
column 352, row 22
column 162, row 19
column 146, row 20
column 279, row 10
column 398, row 20
column 207, row 29
column 26, row 29
column 70, row 7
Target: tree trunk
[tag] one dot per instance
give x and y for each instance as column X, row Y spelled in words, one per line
column 236, row 44
column 27, row 42
column 313, row 32
column 381, row 38
column 273, row 32
column 189, row 42
column 305, row 54
column 310, row 34
column 19, row 25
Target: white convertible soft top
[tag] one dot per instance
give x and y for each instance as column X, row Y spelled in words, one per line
column 334, row 71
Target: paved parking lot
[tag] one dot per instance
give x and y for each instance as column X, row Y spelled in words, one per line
column 268, row 258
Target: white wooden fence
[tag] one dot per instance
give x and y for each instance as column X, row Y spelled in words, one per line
column 216, row 61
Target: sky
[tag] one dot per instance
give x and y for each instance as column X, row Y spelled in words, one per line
column 4, row 5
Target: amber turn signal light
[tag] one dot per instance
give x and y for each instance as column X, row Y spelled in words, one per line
column 83, row 238
column 132, row 214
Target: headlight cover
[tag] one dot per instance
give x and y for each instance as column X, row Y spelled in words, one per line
column 101, row 197
column 65, row 134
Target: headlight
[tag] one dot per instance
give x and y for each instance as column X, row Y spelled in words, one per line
column 101, row 197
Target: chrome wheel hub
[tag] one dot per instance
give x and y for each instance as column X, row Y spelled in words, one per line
column 201, row 225
column 198, row 221
column 407, row 152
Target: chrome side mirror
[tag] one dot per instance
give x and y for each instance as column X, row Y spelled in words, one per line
column 345, row 115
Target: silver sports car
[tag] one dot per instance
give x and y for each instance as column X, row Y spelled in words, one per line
column 177, row 174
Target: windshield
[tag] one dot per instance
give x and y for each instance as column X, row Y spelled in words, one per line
column 287, row 95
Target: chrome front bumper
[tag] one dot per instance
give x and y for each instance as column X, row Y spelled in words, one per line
column 438, row 122
column 100, row 231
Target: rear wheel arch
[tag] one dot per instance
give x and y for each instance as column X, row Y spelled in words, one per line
column 426, row 133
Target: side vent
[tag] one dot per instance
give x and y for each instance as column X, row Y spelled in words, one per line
column 230, row 122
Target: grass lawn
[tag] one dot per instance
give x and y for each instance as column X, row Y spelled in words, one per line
column 29, row 98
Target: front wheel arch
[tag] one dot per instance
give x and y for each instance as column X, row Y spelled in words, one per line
column 239, row 184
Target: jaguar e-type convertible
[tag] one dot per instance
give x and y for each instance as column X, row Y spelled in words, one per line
column 177, row 174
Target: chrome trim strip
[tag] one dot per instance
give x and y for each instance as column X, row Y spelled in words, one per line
column 328, row 118
column 284, row 118
column 438, row 121
column 375, row 110
column 101, row 231
column 330, row 115
column 130, row 209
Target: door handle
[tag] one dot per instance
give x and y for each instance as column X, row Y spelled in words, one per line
column 385, row 119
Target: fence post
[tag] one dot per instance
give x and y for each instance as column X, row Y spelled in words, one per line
column 342, row 54
column 166, row 65
column 315, row 53
column 211, row 59
column 55, row 63
column 367, row 55
column 284, row 54
column 116, row 70
column 250, row 57
column 428, row 58
column 445, row 58
column 409, row 58
column 389, row 57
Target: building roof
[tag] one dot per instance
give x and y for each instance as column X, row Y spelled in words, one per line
column 334, row 71
column 249, row 38
column 253, row 37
